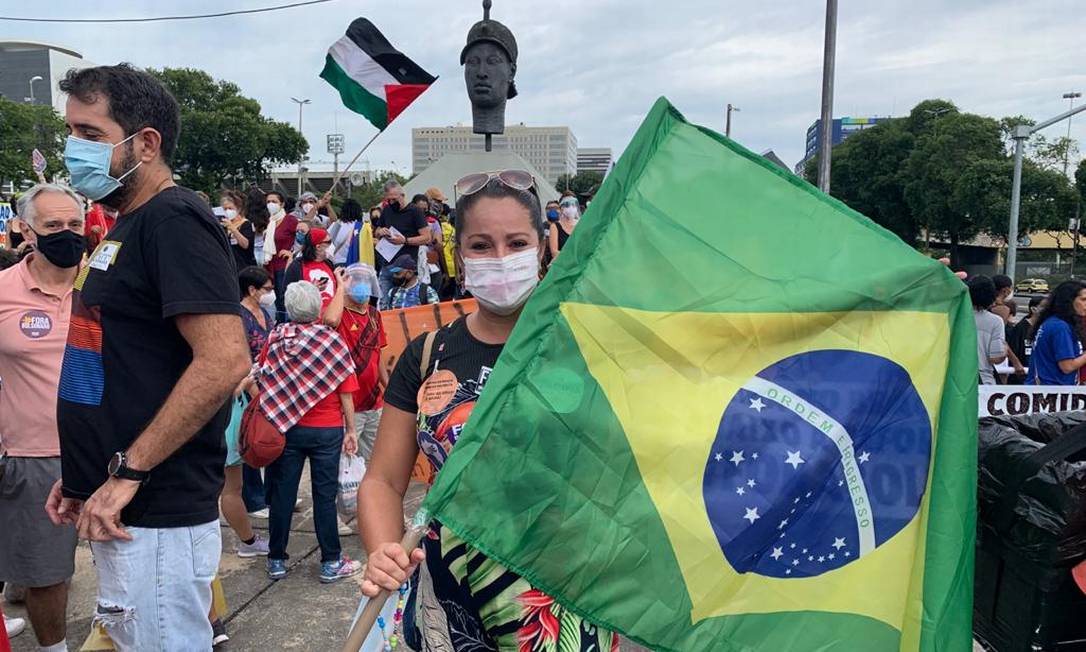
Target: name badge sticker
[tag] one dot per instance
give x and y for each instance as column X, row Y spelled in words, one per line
column 104, row 255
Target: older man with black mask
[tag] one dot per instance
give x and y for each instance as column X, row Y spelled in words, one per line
column 35, row 306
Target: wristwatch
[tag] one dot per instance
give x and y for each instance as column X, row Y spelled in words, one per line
column 118, row 468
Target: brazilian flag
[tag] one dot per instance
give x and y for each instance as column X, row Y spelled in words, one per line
column 736, row 416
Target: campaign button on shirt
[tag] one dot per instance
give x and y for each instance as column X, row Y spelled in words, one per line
column 35, row 324
column 819, row 459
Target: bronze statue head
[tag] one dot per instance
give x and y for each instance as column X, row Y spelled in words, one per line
column 490, row 63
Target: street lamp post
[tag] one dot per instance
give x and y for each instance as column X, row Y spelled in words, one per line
column 1020, row 135
column 728, row 120
column 32, row 80
column 829, row 57
column 300, row 104
column 1070, row 97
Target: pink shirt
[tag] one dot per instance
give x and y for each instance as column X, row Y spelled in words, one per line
column 33, row 331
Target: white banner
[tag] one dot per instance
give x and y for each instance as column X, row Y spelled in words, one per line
column 1003, row 400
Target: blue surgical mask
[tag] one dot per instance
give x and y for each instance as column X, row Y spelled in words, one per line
column 359, row 293
column 88, row 163
column 552, row 215
column 299, row 237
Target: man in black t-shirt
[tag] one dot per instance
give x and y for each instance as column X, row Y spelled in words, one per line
column 412, row 226
column 154, row 350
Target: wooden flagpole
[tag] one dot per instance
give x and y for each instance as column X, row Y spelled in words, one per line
column 339, row 175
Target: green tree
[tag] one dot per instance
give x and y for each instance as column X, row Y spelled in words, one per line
column 1080, row 180
column 24, row 127
column 582, row 183
column 371, row 194
column 224, row 138
column 949, row 146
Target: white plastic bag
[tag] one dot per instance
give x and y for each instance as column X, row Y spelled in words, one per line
column 351, row 470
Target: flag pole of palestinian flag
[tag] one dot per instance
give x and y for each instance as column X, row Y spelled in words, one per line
column 735, row 416
column 372, row 77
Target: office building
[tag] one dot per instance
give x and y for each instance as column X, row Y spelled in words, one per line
column 552, row 150
column 842, row 129
column 30, row 71
column 594, row 159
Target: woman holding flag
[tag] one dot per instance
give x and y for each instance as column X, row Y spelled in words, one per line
column 461, row 600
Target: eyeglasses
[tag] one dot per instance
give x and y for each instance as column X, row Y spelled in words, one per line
column 515, row 179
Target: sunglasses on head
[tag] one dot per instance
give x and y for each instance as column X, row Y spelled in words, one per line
column 515, row 179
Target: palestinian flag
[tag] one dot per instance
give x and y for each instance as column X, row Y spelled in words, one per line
column 372, row 77
column 741, row 417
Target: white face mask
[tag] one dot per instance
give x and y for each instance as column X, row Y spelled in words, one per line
column 306, row 207
column 267, row 299
column 273, row 208
column 502, row 285
column 571, row 212
column 230, row 213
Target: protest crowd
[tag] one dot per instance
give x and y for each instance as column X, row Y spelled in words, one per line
column 174, row 363
column 130, row 378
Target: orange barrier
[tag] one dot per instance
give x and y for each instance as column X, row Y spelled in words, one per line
column 404, row 325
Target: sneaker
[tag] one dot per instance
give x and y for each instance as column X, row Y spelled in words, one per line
column 14, row 594
column 277, row 569
column 15, row 626
column 260, row 513
column 255, row 549
column 344, row 529
column 334, row 571
column 218, row 630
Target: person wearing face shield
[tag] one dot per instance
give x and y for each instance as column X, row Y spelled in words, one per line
column 353, row 313
column 431, row 393
column 35, row 308
column 569, row 213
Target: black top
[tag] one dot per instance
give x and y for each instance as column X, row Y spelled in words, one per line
column 470, row 360
column 1018, row 338
column 124, row 355
column 409, row 222
column 243, row 257
column 562, row 235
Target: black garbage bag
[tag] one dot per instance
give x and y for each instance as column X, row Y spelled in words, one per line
column 1030, row 533
column 1035, row 505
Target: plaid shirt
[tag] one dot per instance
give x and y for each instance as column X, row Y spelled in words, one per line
column 302, row 364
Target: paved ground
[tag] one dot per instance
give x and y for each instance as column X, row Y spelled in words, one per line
column 296, row 613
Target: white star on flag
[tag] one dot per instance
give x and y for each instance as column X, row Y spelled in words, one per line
column 838, row 543
column 795, row 460
column 865, row 457
column 752, row 514
column 751, row 483
column 821, row 559
column 848, row 554
column 740, row 491
column 757, row 405
column 754, row 457
column 783, row 523
column 718, row 457
column 795, row 562
column 737, row 458
column 777, row 554
column 830, row 556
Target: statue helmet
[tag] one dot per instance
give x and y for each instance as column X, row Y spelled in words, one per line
column 495, row 32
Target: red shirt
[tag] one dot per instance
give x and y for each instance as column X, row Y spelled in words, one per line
column 327, row 413
column 97, row 216
column 364, row 334
column 284, row 241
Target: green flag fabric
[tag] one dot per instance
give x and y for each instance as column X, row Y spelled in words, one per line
column 735, row 416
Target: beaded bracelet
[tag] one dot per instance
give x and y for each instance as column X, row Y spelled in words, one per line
column 390, row 642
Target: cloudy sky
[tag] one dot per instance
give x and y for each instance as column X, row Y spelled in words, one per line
column 597, row 65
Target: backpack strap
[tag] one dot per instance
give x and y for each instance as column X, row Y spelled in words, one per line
column 427, row 349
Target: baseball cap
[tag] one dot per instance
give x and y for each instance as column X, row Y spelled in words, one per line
column 404, row 262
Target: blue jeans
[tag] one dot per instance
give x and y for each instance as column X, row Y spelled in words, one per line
column 154, row 591
column 322, row 446
column 280, row 281
column 384, row 281
column 252, row 489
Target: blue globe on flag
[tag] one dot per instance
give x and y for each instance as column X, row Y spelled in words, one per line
column 818, row 459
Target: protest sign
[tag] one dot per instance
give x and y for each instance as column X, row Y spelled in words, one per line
column 1013, row 400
